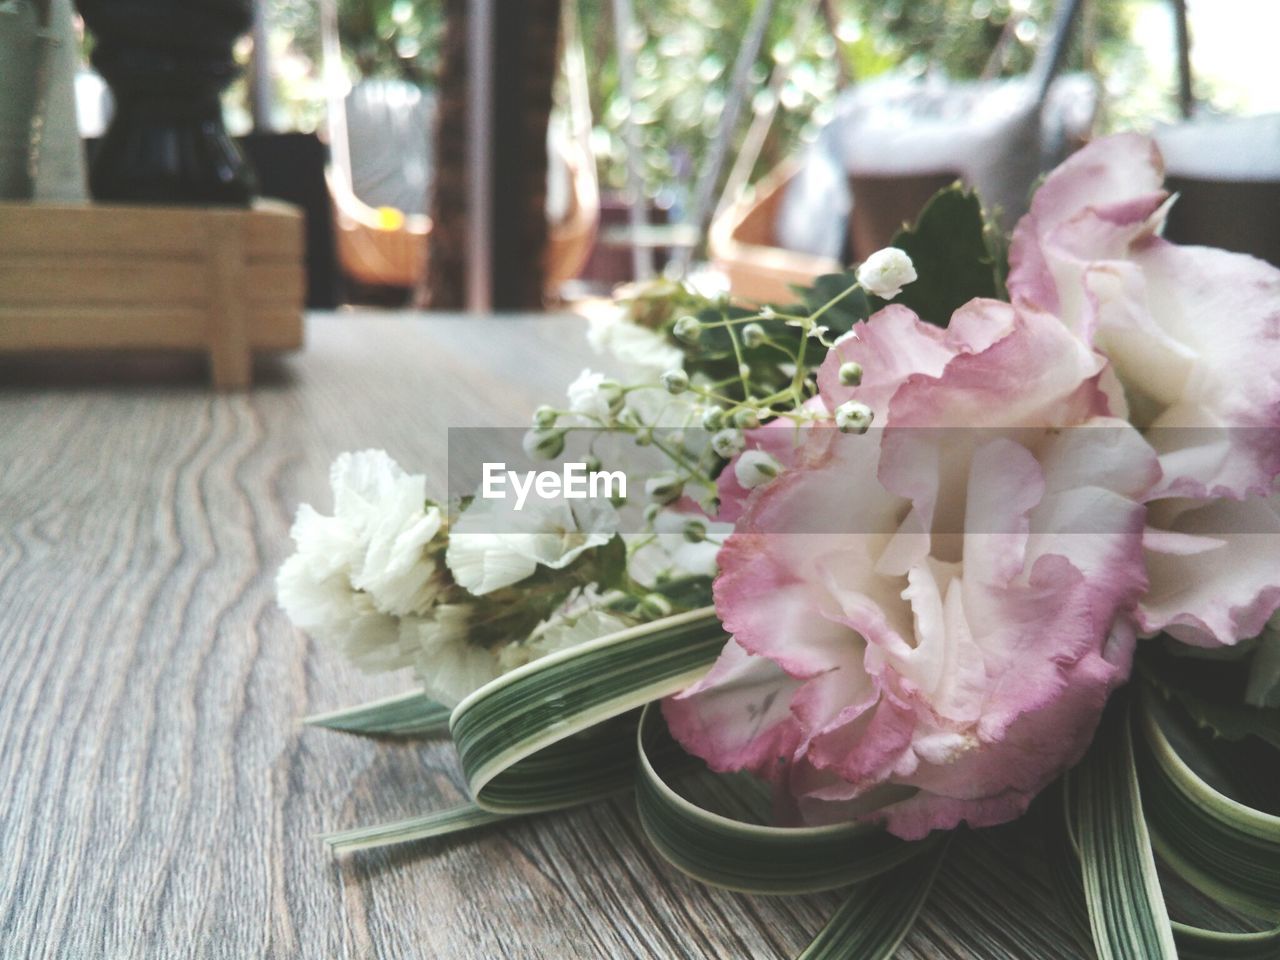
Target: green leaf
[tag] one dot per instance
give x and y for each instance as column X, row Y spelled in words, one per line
column 1126, row 907
column 1197, row 944
column 559, row 731
column 1231, row 721
column 610, row 564
column 438, row 824
column 1212, row 692
column 875, row 919
column 1053, row 816
column 1225, row 849
column 949, row 247
column 1263, row 687
column 404, row 715
column 748, row 856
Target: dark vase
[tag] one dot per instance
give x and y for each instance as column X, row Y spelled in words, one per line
column 167, row 61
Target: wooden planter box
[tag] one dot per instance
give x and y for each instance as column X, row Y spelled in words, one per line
column 228, row 282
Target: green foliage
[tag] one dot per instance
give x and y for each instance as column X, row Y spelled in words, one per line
column 407, row 715
column 687, row 49
column 949, row 246
column 724, row 848
column 1211, row 692
column 1126, row 909
column 380, row 38
column 853, row 308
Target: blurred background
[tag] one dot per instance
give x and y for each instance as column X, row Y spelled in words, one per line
column 742, row 143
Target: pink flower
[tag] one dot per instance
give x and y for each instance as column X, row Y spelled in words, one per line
column 1193, row 335
column 781, row 438
column 927, row 620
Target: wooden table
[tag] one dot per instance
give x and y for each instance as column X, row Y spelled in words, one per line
column 158, row 797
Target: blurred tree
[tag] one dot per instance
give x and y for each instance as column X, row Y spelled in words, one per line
column 685, row 51
column 397, row 38
column 683, row 40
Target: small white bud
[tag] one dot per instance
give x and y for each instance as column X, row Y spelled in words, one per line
column 675, row 381
column 664, row 488
column 544, row 417
column 728, row 443
column 688, row 328
column 695, row 531
column 755, row 468
column 592, row 463
column 544, row 444
column 851, row 374
column 886, row 272
column 744, row 372
column 853, row 417
column 713, row 418
column 651, row 513
column 746, row 419
column 767, row 313
column 753, row 335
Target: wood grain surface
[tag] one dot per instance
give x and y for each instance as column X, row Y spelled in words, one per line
column 158, row 798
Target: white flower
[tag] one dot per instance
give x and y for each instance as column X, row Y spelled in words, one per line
column 659, row 408
column 755, row 468
column 327, row 608
column 698, row 558
column 594, row 396
column 886, row 272
column 559, row 632
column 449, row 666
column 493, row 545
column 642, row 351
column 354, row 573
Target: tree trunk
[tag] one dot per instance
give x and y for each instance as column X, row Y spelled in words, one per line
column 525, row 47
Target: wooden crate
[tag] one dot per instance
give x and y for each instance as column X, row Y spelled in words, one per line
column 105, row 277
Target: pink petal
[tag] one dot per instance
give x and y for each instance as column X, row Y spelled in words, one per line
column 1215, row 575
column 737, row 716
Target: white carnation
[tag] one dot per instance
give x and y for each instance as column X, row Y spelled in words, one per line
column 559, row 633
column 493, row 545
column 644, row 352
column 323, row 604
column 449, row 666
column 356, row 572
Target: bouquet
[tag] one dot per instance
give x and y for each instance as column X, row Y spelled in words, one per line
column 982, row 527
